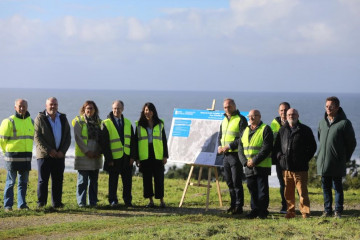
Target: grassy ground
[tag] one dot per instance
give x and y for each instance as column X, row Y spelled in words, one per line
column 189, row 222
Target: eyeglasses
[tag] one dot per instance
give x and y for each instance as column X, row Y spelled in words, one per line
column 253, row 116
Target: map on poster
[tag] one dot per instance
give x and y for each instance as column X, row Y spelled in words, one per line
column 193, row 136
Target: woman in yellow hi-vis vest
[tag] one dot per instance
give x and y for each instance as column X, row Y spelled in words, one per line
column 152, row 152
column 88, row 158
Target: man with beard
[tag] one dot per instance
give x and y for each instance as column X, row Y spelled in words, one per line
column 294, row 147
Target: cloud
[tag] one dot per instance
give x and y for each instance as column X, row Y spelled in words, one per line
column 137, row 31
column 253, row 39
column 260, row 12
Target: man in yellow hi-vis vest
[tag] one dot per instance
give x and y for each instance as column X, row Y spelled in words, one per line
column 118, row 143
column 230, row 131
column 16, row 141
column 255, row 148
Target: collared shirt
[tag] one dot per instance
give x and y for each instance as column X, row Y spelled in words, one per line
column 118, row 121
column 56, row 128
column 330, row 121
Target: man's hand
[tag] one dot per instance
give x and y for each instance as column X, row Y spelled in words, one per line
column 60, row 154
column 250, row 163
column 53, row 153
column 226, row 149
column 220, row 150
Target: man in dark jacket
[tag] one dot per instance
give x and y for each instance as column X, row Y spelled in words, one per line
column 230, row 131
column 254, row 151
column 337, row 143
column 294, row 147
column 52, row 138
column 117, row 142
column 275, row 127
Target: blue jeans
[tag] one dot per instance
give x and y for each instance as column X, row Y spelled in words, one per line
column 87, row 178
column 9, row 188
column 327, row 183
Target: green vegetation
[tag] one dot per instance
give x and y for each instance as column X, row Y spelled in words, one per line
column 189, row 222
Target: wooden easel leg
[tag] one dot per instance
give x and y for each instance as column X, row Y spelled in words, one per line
column 208, row 189
column 218, row 186
column 186, row 185
column 200, row 174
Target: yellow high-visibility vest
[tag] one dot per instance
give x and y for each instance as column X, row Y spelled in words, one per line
column 230, row 130
column 16, row 138
column 143, row 142
column 253, row 147
column 117, row 149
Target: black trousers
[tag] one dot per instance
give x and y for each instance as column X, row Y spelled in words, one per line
column 153, row 168
column 53, row 167
column 259, row 191
column 126, row 177
column 233, row 176
column 282, row 185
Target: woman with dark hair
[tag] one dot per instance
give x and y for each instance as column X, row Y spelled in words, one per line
column 88, row 159
column 152, row 152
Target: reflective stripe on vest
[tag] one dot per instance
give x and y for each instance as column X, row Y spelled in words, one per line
column 230, row 131
column 253, row 147
column 117, row 148
column 17, row 140
column 143, row 141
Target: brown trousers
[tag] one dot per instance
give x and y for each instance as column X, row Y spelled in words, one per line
column 298, row 180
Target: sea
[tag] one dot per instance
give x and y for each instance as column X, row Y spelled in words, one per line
column 310, row 106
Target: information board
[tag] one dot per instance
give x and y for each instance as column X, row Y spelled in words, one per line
column 193, row 136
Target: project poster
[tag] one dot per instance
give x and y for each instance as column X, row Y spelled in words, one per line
column 193, row 137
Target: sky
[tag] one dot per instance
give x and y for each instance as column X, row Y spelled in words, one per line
column 191, row 45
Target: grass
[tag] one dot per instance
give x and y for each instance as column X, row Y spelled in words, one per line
column 188, row 222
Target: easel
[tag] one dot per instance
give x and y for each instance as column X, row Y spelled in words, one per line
column 198, row 184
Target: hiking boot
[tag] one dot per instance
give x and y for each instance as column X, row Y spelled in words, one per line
column 326, row 214
column 252, row 215
column 230, row 210
column 337, row 215
column 8, row 209
column 237, row 210
column 283, row 210
column 24, row 208
column 289, row 215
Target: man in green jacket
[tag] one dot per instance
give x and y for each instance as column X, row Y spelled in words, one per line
column 337, row 143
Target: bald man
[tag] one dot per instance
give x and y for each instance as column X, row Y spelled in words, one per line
column 294, row 147
column 52, row 138
column 254, row 151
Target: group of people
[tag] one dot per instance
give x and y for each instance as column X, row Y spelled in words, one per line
column 251, row 145
column 290, row 145
column 114, row 138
